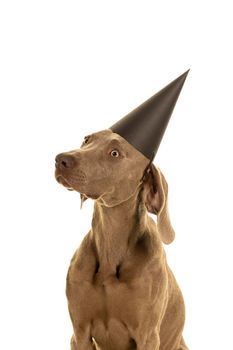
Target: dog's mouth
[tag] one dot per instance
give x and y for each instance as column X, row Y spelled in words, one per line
column 61, row 180
column 73, row 182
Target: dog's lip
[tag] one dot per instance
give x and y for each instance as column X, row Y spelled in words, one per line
column 64, row 182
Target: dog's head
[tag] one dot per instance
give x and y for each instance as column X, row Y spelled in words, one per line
column 106, row 166
column 109, row 169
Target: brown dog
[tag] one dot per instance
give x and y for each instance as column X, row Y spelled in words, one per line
column 121, row 293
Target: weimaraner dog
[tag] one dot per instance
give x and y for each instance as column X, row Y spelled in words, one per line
column 121, row 293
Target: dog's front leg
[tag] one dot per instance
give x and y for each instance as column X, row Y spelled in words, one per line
column 82, row 342
column 153, row 342
column 149, row 342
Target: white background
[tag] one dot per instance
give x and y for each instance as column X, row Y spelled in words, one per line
column 68, row 68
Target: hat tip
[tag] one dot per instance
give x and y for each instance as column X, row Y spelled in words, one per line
column 185, row 73
column 183, row 76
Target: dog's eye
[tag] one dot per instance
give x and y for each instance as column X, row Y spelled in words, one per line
column 115, row 153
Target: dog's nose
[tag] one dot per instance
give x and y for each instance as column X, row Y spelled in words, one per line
column 65, row 161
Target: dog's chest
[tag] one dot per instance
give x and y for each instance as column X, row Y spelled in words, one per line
column 113, row 299
column 106, row 290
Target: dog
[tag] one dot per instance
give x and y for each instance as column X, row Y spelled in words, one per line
column 121, row 293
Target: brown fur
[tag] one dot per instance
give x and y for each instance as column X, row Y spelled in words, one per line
column 121, row 293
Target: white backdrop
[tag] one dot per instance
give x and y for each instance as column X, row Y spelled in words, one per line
column 68, row 68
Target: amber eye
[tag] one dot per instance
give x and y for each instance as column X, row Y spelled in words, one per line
column 115, row 153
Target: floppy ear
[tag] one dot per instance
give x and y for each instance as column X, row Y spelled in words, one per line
column 155, row 197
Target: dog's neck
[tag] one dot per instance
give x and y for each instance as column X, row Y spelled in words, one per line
column 115, row 228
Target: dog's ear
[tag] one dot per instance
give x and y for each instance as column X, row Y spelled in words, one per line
column 155, row 198
column 83, row 199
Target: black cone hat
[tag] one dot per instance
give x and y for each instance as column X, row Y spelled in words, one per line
column 144, row 127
